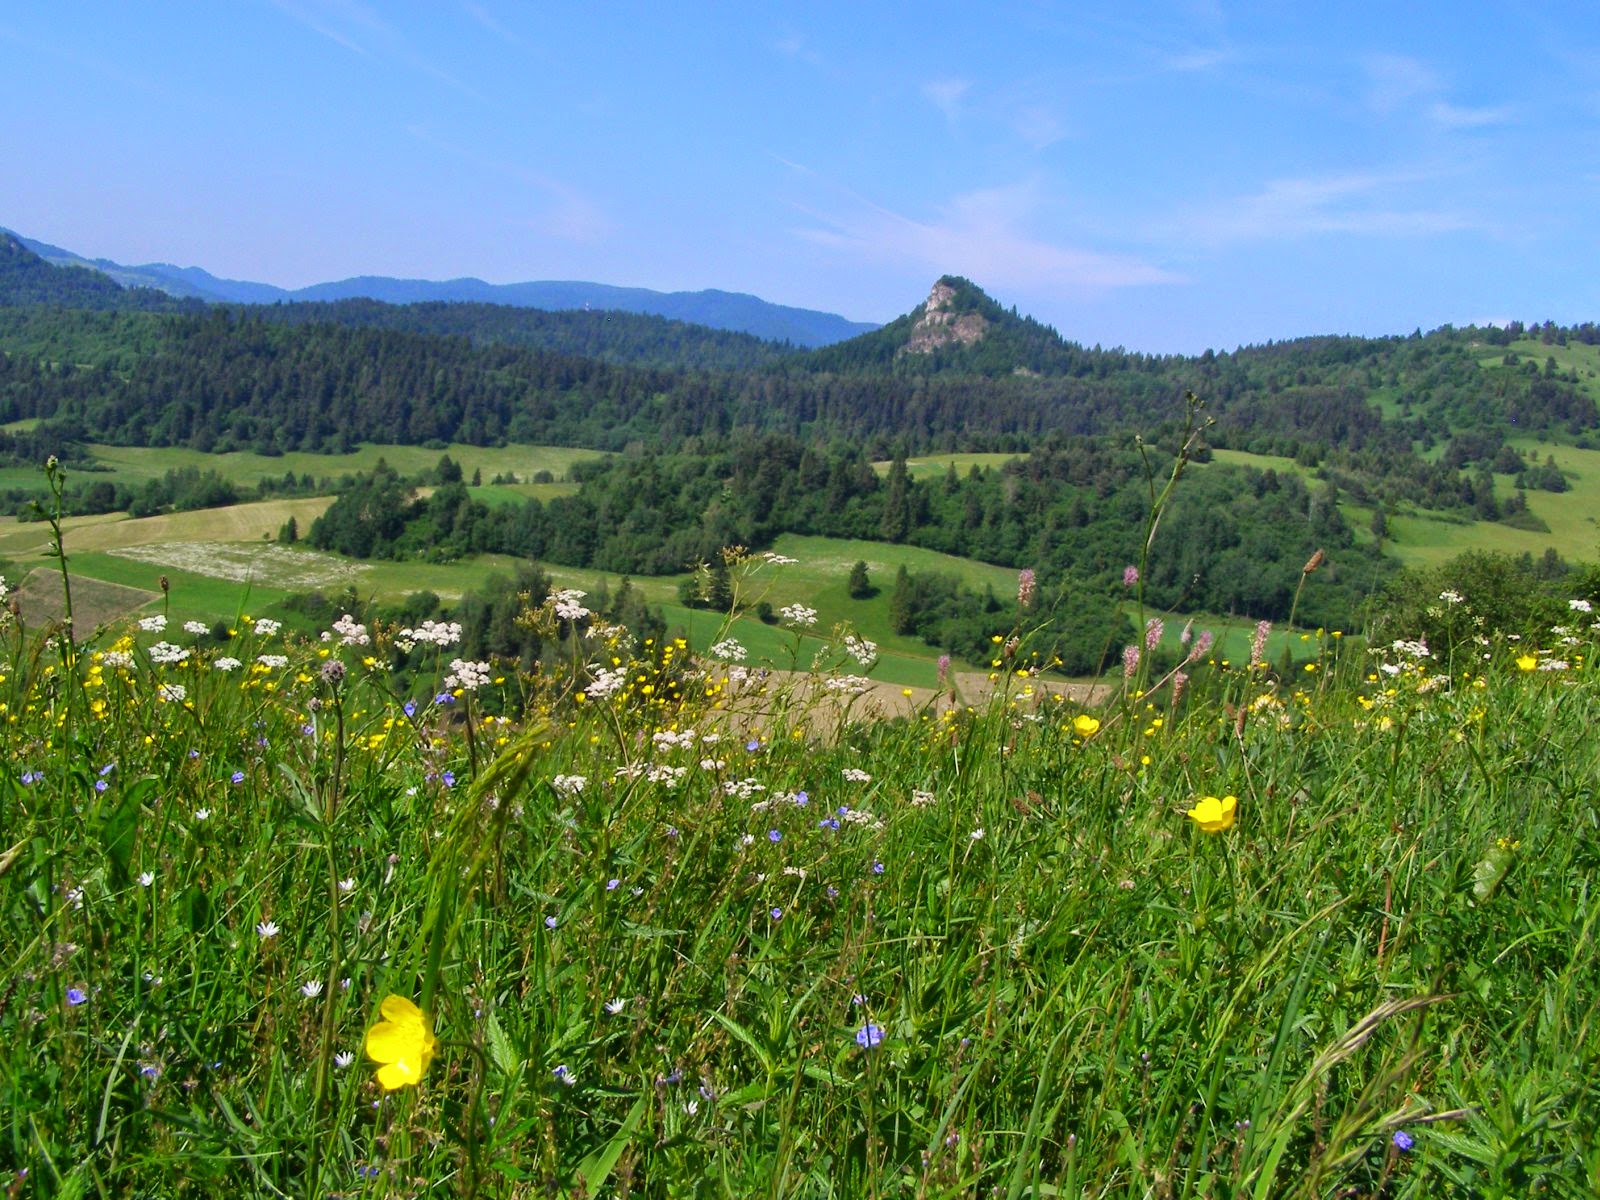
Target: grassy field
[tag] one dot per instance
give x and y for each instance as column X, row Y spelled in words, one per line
column 134, row 465
column 1574, row 356
column 220, row 561
column 939, row 464
column 315, row 926
column 1426, row 539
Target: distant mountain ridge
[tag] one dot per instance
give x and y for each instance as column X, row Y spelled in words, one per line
column 714, row 308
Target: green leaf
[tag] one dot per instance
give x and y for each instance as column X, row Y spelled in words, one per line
column 506, row 1060
column 597, row 1167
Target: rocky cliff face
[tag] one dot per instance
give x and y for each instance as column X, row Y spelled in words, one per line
column 940, row 326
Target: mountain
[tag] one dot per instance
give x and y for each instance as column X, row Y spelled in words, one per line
column 716, row 309
column 960, row 329
column 27, row 279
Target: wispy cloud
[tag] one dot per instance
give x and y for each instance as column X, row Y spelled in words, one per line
column 360, row 29
column 322, row 18
column 1037, row 124
column 489, row 21
column 946, row 95
column 980, row 234
column 565, row 212
column 1393, row 80
column 794, row 45
column 1358, row 203
column 1397, row 84
column 1456, row 116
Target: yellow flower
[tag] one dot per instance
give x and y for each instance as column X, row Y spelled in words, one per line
column 1526, row 662
column 1084, row 725
column 402, row 1042
column 1213, row 815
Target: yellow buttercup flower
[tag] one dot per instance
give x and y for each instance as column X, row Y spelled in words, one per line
column 1213, row 815
column 402, row 1042
column 1084, row 725
column 1526, row 662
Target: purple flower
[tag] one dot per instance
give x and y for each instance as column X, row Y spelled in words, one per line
column 1403, row 1141
column 1258, row 644
column 409, row 708
column 99, row 785
column 868, row 1036
column 449, row 778
column 802, row 799
column 238, row 777
column 1130, row 661
column 776, row 914
column 76, row 996
column 944, row 667
column 549, row 922
column 1027, row 584
column 753, row 745
column 613, row 884
column 828, row 823
column 877, row 868
column 774, row 836
column 1153, row 629
column 1130, row 576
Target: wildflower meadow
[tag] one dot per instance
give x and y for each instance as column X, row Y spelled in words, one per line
column 281, row 920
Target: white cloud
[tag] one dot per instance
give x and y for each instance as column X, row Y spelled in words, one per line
column 1399, row 84
column 565, row 213
column 946, row 95
column 1037, row 125
column 982, row 235
column 794, row 45
column 489, row 21
column 1393, row 80
column 359, row 27
column 1455, row 116
column 1364, row 203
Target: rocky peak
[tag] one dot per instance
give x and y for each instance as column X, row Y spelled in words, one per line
column 940, row 325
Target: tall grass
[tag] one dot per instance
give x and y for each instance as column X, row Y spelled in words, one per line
column 682, row 931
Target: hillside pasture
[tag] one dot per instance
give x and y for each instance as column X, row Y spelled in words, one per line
column 95, row 603
column 1575, row 356
column 133, row 465
column 938, row 464
column 208, row 554
column 1424, row 539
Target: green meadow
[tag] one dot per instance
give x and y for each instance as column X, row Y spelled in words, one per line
column 137, row 464
column 336, row 916
column 1429, row 539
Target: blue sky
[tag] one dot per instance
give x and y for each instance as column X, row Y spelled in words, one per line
column 1166, row 176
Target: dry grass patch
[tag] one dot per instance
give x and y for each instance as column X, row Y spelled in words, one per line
column 94, row 603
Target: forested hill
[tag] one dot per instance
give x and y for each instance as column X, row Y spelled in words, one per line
column 959, row 329
column 609, row 336
column 957, row 373
column 26, row 279
column 712, row 307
